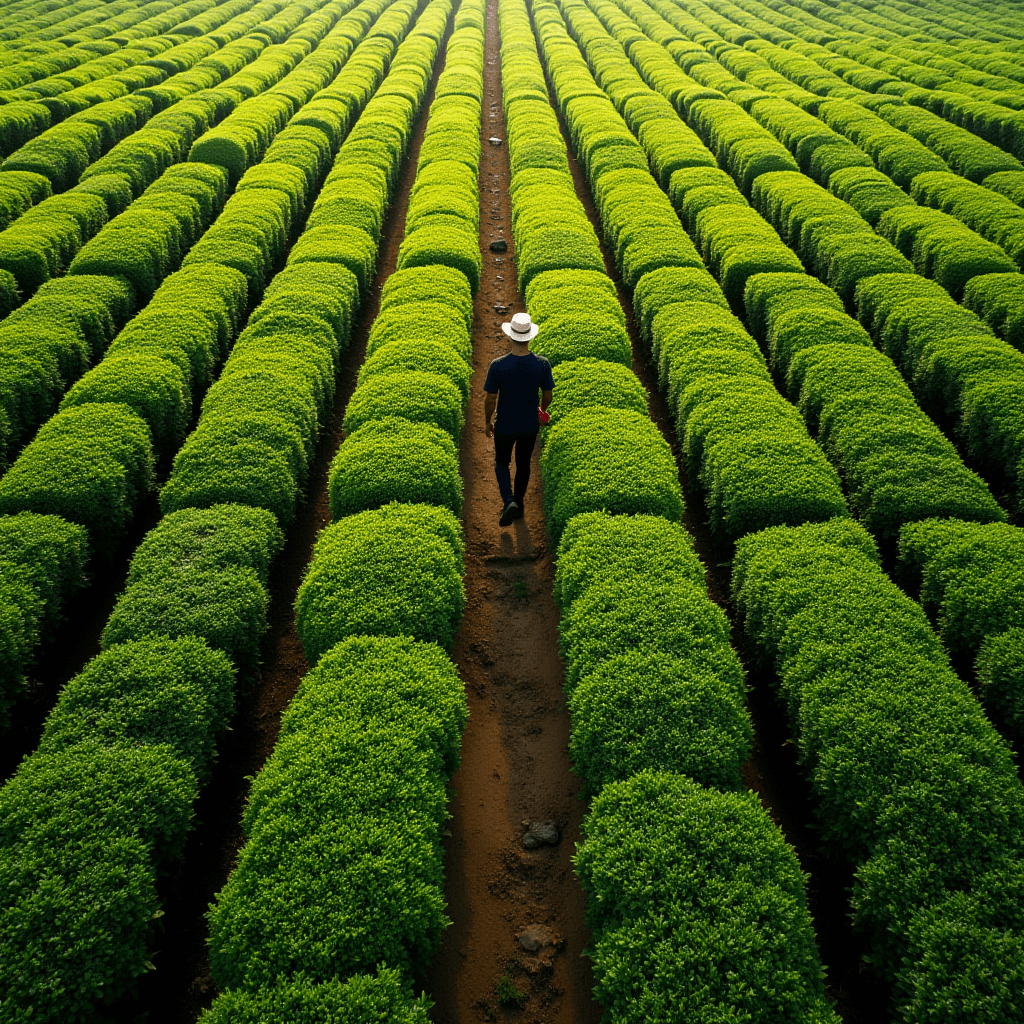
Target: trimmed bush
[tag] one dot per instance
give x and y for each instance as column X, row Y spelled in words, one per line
column 393, row 459
column 676, row 877
column 356, row 785
column 589, row 462
column 362, row 999
column 392, row 571
column 151, row 692
column 91, row 465
column 412, row 395
column 568, row 337
column 439, row 284
column 430, row 357
column 587, row 382
column 1000, row 671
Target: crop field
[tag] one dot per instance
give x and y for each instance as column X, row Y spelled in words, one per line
column 283, row 709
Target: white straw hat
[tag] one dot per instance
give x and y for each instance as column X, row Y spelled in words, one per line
column 521, row 328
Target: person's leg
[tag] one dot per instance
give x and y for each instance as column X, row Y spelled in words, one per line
column 524, row 453
column 502, row 460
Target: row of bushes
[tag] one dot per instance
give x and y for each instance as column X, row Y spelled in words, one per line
column 145, row 713
column 391, row 565
column 969, row 578
column 94, row 462
column 871, row 696
column 895, row 463
column 259, row 422
column 655, row 692
column 962, row 374
column 735, row 430
column 383, row 709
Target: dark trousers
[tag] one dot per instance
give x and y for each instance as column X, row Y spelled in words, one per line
column 503, row 445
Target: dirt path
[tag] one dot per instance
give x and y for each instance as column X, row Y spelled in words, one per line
column 772, row 770
column 515, row 763
column 181, row 986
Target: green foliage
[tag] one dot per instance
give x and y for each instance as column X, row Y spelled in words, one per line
column 82, row 831
column 661, row 288
column 587, row 382
column 436, row 284
column 999, row 300
column 91, row 465
column 414, row 395
column 870, row 694
column 1000, row 671
column 970, row 576
column 433, row 358
column 393, row 459
column 410, row 323
column 678, row 877
column 563, row 338
column 589, row 463
column 391, row 571
column 361, row 999
column 357, row 785
column 150, row 692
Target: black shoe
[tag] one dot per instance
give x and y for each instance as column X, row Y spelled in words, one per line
column 508, row 513
column 520, row 508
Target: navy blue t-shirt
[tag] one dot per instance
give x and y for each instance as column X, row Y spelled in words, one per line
column 516, row 380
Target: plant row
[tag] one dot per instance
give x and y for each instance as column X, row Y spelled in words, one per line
column 840, row 247
column 94, row 462
column 659, row 730
column 341, row 872
column 88, row 77
column 105, row 803
column 897, row 845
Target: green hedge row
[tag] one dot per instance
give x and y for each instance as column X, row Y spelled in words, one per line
column 970, row 578
column 871, row 695
column 154, row 700
column 735, row 430
column 259, row 422
column 655, row 692
column 342, row 866
column 382, row 596
column 960, row 371
column 999, row 300
column 895, row 463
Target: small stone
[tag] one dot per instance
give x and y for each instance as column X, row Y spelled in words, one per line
column 499, row 246
column 494, row 140
column 542, row 833
column 534, row 937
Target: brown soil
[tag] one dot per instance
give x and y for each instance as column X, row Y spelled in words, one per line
column 181, row 986
column 515, row 764
column 772, row 770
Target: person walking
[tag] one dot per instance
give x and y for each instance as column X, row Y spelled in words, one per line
column 512, row 385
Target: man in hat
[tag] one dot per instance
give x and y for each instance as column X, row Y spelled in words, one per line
column 513, row 383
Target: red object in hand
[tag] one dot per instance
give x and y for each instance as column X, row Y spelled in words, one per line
column 542, row 415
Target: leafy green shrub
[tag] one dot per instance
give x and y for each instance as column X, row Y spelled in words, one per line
column 568, row 337
column 361, row 999
column 969, row 575
column 677, row 877
column 661, row 288
column 589, row 462
column 587, row 382
column 371, row 738
column 81, row 831
column 430, row 357
column 870, row 693
column 154, row 389
column 91, row 465
column 150, row 692
column 1000, row 671
column 999, row 300
column 214, row 468
column 391, row 571
column 351, row 247
column 393, row 459
column 439, row 284
column 870, row 192
column 443, row 245
column 410, row 323
column 412, row 395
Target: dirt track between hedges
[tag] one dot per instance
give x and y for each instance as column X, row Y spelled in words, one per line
column 515, row 762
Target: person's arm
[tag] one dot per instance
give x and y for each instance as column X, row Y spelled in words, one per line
column 545, row 398
column 490, row 404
